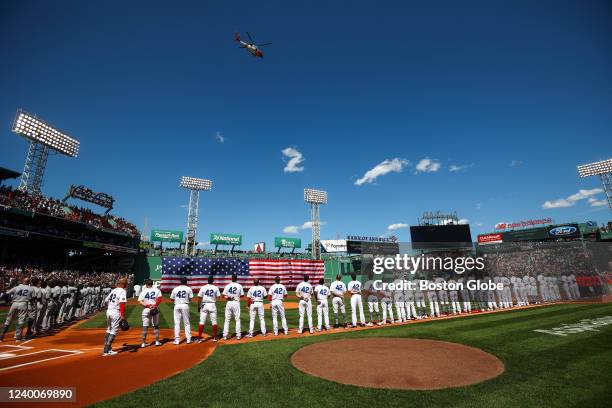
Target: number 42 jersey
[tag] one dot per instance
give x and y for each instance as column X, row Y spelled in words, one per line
column 181, row 295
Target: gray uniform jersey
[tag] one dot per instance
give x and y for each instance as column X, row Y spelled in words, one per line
column 21, row 293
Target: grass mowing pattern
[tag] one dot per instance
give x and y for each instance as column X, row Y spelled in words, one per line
column 541, row 370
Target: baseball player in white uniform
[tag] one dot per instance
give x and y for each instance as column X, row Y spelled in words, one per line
column 354, row 288
column 181, row 296
column 276, row 294
column 256, row 295
column 207, row 305
column 115, row 311
column 304, row 294
column 150, row 298
column 338, row 289
column 21, row 294
column 322, row 292
column 233, row 291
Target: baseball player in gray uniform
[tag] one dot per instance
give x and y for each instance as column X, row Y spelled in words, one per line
column 21, row 295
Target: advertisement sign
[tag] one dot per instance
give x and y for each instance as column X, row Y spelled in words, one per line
column 217, row 238
column 490, row 239
column 259, row 248
column 166, row 236
column 392, row 238
column 533, row 234
column 372, row 248
column 333, row 245
column 564, row 231
column 281, row 242
column 523, row 224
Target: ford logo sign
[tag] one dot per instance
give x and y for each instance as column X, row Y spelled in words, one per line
column 560, row 231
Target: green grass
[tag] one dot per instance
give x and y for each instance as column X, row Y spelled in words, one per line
column 541, row 370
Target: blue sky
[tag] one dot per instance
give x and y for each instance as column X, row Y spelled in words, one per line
column 519, row 93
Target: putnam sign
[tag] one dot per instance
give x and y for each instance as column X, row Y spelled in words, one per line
column 217, row 238
column 280, row 242
column 166, row 236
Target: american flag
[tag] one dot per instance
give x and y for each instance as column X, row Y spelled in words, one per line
column 197, row 271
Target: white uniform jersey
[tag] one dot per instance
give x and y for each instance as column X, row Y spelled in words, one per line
column 322, row 292
column 149, row 296
column 233, row 291
column 257, row 293
column 209, row 293
column 278, row 291
column 338, row 288
column 115, row 298
column 21, row 293
column 354, row 287
column 181, row 295
column 304, row 290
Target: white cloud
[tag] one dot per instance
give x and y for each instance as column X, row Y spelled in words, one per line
column 427, row 165
column 295, row 158
column 571, row 200
column 478, row 224
column 397, row 226
column 294, row 229
column 291, row 229
column 388, row 166
column 459, row 167
column 515, row 163
column 203, row 244
column 597, row 203
column 220, row 138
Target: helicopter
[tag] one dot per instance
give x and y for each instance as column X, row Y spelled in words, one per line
column 250, row 46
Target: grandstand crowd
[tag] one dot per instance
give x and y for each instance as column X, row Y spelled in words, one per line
column 10, row 197
column 55, row 297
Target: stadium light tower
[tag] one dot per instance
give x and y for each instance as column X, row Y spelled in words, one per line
column 194, row 185
column 603, row 169
column 315, row 198
column 44, row 139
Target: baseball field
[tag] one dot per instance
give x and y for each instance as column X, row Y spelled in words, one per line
column 540, row 369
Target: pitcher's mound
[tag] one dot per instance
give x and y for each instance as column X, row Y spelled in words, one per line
column 411, row 364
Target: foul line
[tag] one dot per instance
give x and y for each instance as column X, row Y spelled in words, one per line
column 69, row 353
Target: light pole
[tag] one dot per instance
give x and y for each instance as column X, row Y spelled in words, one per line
column 194, row 185
column 315, row 198
column 603, row 169
column 43, row 139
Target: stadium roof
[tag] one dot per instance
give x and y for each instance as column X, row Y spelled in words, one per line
column 6, row 174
